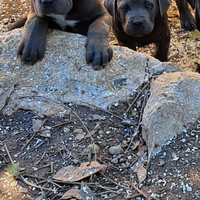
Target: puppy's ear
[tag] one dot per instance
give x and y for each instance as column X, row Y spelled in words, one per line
column 110, row 5
column 192, row 3
column 163, row 6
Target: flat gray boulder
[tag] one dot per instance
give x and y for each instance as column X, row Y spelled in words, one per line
column 174, row 102
column 63, row 75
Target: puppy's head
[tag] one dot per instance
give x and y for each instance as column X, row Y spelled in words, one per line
column 136, row 16
column 47, row 7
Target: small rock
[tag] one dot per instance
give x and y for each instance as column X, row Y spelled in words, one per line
column 21, row 189
column 75, row 161
column 97, row 118
column 122, row 160
column 175, row 157
column 116, row 150
column 14, row 183
column 161, row 162
column 114, row 160
column 66, row 130
column 189, row 189
column 78, row 131
column 80, row 136
column 129, row 157
column 5, row 21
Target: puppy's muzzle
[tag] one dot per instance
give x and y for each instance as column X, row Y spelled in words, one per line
column 135, row 27
column 137, row 23
column 47, row 3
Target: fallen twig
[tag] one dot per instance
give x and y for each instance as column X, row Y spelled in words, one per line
column 140, row 120
column 34, row 185
column 134, row 196
column 140, row 191
column 137, row 97
column 34, row 133
column 8, row 153
column 109, row 165
column 40, row 158
column 122, row 186
column 104, row 110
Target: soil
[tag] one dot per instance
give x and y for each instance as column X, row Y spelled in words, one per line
column 29, row 156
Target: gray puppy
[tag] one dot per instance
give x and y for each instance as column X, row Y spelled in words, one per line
column 89, row 18
column 141, row 22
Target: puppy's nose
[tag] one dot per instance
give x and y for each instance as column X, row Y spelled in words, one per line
column 137, row 23
column 47, row 2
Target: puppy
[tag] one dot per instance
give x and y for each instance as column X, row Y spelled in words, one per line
column 141, row 22
column 88, row 18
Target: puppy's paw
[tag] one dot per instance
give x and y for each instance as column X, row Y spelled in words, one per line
column 98, row 52
column 31, row 50
column 187, row 22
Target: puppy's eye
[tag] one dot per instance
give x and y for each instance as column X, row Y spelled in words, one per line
column 149, row 6
column 125, row 7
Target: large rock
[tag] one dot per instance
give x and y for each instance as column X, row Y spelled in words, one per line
column 64, row 76
column 174, row 102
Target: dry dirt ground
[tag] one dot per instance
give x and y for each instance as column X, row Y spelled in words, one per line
column 34, row 148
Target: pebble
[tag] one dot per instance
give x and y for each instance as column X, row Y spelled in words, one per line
column 114, row 160
column 66, row 130
column 116, row 150
column 189, row 189
column 78, row 131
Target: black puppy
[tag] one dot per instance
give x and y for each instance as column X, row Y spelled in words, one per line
column 78, row 16
column 141, row 22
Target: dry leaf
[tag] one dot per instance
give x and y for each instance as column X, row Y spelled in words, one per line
column 195, row 34
column 4, row 96
column 97, row 118
column 141, row 172
column 21, row 189
column 91, row 134
column 45, row 133
column 71, row 173
column 93, row 148
column 140, row 153
column 87, row 193
column 72, row 193
column 136, row 145
column 36, row 124
column 80, row 136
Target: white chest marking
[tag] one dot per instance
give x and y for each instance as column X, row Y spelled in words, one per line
column 62, row 22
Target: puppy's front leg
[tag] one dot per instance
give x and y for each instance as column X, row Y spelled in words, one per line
column 31, row 47
column 98, row 50
column 162, row 47
column 187, row 21
column 197, row 14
